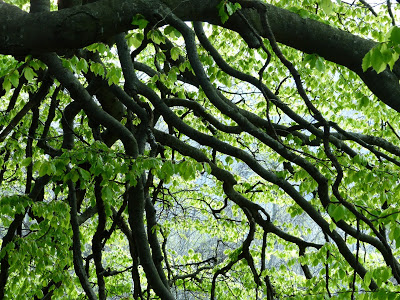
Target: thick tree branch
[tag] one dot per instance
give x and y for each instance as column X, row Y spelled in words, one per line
column 77, row 254
column 83, row 25
column 136, row 207
column 97, row 247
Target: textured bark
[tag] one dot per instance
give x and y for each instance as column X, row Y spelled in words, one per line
column 79, row 26
column 128, row 111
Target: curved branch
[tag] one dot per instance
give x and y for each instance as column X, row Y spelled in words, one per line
column 81, row 26
column 76, row 245
column 33, row 102
column 136, row 207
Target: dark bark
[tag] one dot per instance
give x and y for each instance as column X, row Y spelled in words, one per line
column 137, row 289
column 136, row 207
column 83, row 25
column 287, row 187
column 76, row 25
column 97, row 246
column 76, row 244
column 8, row 238
column 94, row 112
column 33, row 102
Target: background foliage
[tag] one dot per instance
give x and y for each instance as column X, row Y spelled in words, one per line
column 175, row 161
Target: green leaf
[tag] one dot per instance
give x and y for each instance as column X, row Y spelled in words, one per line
column 366, row 62
column 156, row 37
column 107, row 193
column 319, row 64
column 397, row 236
column 39, row 294
column 74, row 175
column 136, row 39
column 171, row 31
column 97, row 68
column 168, row 30
column 377, row 60
column 207, row 168
column 140, row 21
column 235, row 254
column 395, row 57
column 221, row 11
column 29, row 73
column 43, row 169
column 386, row 53
column 337, row 212
column 6, row 84
column 395, row 35
column 102, row 48
column 172, row 77
column 386, row 273
column 364, row 102
column 367, row 278
column 175, row 53
column 14, row 78
column 74, row 60
column 327, row 6
column 36, row 65
column 82, row 65
column 85, row 174
column 230, row 8
column 166, row 171
column 298, row 141
column 229, row 160
column 332, row 226
column 26, row 162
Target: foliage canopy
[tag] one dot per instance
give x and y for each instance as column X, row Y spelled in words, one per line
column 183, row 149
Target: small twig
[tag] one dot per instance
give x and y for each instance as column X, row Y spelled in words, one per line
column 394, row 131
column 369, row 7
